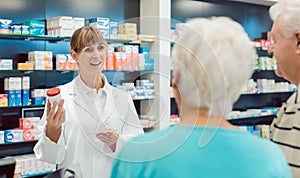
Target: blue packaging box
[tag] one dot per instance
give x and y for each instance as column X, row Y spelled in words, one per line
column 11, row 97
column 25, row 97
column 38, row 101
column 18, row 95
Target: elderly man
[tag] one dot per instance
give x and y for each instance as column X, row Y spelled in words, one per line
column 285, row 129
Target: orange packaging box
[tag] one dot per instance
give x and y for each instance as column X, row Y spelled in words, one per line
column 3, row 100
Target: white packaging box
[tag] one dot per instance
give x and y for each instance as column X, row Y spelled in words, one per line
column 1, row 136
column 18, row 82
column 78, row 22
column 5, row 23
column 25, row 82
column 141, row 61
column 97, row 25
column 18, row 167
column 131, row 37
column 6, row 64
column 62, row 31
column 38, row 93
column 60, row 21
column 113, row 30
column 40, row 56
column 105, row 33
column 41, row 65
column 129, row 27
column 122, row 37
column 102, row 22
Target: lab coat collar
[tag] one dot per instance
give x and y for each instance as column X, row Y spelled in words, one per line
column 84, row 99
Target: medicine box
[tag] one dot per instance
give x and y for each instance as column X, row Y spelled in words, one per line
column 12, row 136
column 101, row 22
column 16, row 29
column 25, row 30
column 36, row 27
column 3, row 100
column 6, row 64
column 1, row 136
column 25, row 66
column 113, row 30
column 5, row 26
column 40, row 56
column 29, row 123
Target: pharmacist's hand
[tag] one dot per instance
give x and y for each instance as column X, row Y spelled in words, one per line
column 55, row 118
column 109, row 137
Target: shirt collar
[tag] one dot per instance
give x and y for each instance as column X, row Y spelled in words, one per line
column 87, row 90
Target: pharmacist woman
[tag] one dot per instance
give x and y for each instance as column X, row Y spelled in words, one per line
column 93, row 119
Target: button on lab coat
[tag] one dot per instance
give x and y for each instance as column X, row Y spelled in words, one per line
column 78, row 143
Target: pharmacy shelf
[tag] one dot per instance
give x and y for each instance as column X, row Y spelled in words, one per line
column 28, row 106
column 34, row 37
column 19, row 148
column 266, row 120
column 63, row 38
column 260, row 100
column 267, row 74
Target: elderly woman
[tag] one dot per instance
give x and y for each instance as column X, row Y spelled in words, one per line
column 213, row 59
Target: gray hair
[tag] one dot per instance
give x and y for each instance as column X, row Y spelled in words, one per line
column 288, row 12
column 214, row 58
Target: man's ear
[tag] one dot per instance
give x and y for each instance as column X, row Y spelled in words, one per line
column 298, row 42
column 74, row 55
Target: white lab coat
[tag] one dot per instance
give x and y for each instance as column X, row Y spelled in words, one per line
column 78, row 143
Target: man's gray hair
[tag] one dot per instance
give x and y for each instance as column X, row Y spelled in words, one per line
column 288, row 12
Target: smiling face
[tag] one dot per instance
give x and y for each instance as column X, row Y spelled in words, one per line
column 285, row 50
column 91, row 59
column 89, row 49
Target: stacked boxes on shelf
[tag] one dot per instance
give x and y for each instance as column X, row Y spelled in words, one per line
column 128, row 57
column 147, row 121
column 34, row 27
column 144, row 89
column 16, row 90
column 41, row 60
column 29, row 165
column 29, row 126
column 102, row 24
column 38, row 96
column 12, row 87
column 258, row 130
column 266, row 86
column 65, row 62
column 127, row 31
column 27, row 131
column 63, row 25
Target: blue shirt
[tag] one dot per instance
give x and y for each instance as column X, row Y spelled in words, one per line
column 186, row 152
